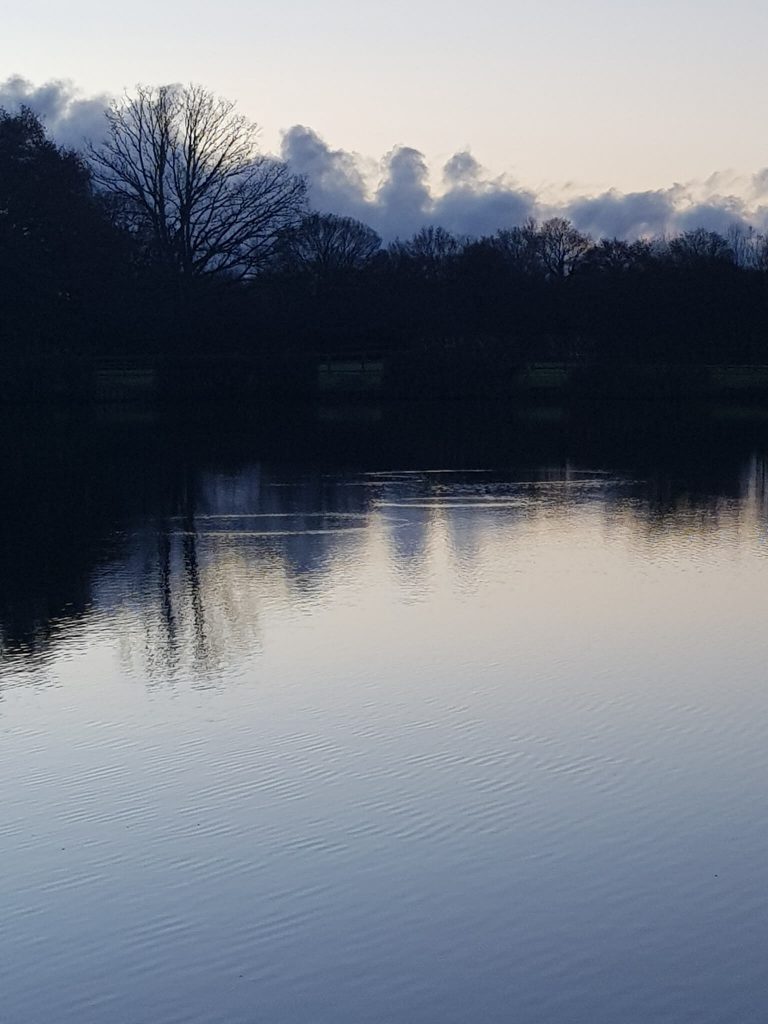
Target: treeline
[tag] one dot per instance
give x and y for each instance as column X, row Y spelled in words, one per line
column 175, row 237
column 540, row 292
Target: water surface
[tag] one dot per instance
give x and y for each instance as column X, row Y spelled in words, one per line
column 349, row 721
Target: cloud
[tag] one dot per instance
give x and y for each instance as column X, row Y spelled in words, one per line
column 403, row 196
column 477, row 205
column 619, row 215
column 337, row 179
column 397, row 194
column 396, row 197
column 720, row 213
column 69, row 118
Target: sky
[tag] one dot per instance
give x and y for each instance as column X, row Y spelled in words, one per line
column 556, row 99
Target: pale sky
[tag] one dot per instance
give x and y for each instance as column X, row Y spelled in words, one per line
column 601, row 93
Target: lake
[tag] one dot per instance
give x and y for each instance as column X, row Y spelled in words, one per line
column 384, row 714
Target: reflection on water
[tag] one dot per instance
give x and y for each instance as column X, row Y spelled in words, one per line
column 439, row 717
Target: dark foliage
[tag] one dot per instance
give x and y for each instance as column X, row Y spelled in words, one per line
column 78, row 281
column 69, row 282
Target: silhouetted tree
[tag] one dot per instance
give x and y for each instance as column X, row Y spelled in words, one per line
column 611, row 255
column 57, row 248
column 700, row 246
column 519, row 247
column 746, row 245
column 430, row 250
column 202, row 210
column 184, row 167
column 561, row 247
column 324, row 244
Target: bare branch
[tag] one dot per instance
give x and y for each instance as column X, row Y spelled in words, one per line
column 184, row 169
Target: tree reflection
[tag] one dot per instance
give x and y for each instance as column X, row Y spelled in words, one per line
column 187, row 548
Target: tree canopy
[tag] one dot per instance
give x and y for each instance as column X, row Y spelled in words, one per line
column 188, row 180
column 56, row 244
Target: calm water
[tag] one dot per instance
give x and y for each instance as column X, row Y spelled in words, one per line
column 374, row 717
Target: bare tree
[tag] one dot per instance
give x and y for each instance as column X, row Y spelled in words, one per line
column 699, row 247
column 748, row 247
column 561, row 247
column 183, row 168
column 616, row 254
column 432, row 251
column 519, row 246
column 324, row 244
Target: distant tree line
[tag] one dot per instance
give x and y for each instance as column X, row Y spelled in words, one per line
column 175, row 236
